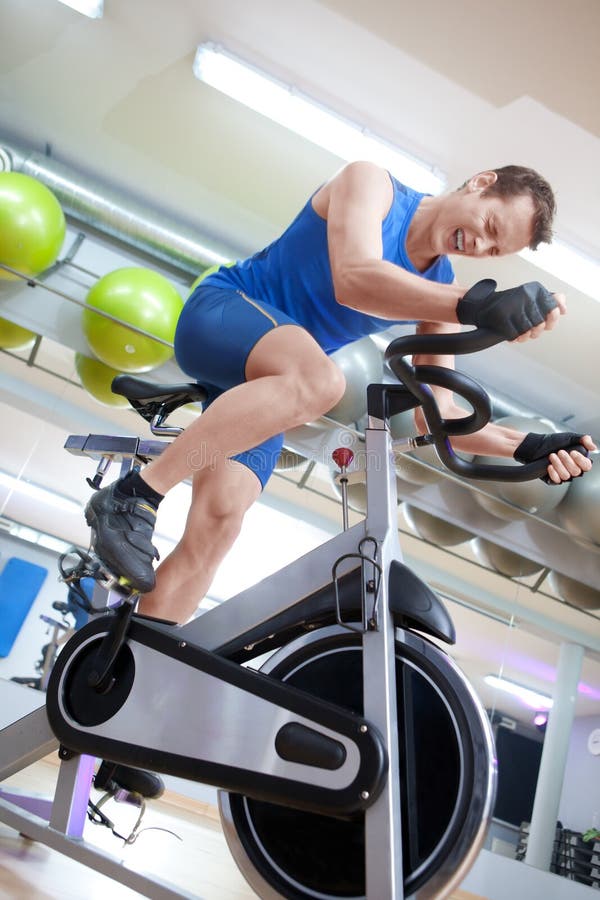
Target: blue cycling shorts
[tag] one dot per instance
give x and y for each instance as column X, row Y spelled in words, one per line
column 215, row 334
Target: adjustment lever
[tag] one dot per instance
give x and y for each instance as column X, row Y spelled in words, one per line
column 101, row 470
column 343, row 457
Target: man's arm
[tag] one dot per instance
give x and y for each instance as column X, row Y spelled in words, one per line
column 355, row 203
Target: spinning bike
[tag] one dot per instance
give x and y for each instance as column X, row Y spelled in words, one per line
column 357, row 760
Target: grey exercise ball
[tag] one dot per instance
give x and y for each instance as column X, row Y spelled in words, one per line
column 416, row 467
column 535, row 497
column 361, row 363
column 574, row 592
column 579, row 512
column 288, row 460
column 504, row 561
column 357, row 495
column 435, row 530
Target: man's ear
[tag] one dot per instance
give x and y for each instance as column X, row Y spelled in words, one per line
column 482, row 180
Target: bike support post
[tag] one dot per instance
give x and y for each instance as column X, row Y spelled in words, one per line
column 383, row 827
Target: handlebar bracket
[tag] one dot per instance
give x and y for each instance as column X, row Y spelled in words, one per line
column 386, row 400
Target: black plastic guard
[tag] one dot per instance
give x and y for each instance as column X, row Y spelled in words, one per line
column 385, row 400
column 414, row 605
column 84, row 722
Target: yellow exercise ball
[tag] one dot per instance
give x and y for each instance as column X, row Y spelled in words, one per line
column 13, row 337
column 142, row 298
column 97, row 378
column 32, row 225
column 534, row 497
column 210, row 271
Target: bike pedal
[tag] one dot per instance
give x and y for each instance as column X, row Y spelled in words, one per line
column 89, row 565
column 71, row 572
column 111, row 582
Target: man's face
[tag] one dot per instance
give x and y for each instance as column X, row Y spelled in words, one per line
column 479, row 224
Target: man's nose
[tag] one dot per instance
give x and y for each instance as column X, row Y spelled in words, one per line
column 483, row 246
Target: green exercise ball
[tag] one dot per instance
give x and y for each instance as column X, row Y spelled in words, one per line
column 579, row 512
column 32, row 225
column 433, row 529
column 209, row 271
column 535, row 497
column 361, row 363
column 13, row 337
column 97, row 378
column 574, row 592
column 507, row 562
column 142, row 298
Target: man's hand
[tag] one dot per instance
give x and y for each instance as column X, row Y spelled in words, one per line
column 564, row 462
column 517, row 314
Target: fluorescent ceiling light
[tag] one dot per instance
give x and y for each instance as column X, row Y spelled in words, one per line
column 568, row 264
column 531, row 698
column 288, row 107
column 91, row 8
column 38, row 494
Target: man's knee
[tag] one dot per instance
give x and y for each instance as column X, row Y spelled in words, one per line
column 320, row 387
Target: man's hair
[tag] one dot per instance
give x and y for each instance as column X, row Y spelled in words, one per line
column 513, row 181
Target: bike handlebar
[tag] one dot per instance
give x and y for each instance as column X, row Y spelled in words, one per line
column 418, row 378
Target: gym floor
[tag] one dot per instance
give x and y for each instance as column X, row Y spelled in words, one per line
column 190, row 850
column 180, row 840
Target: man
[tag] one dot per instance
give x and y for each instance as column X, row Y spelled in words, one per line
column 364, row 252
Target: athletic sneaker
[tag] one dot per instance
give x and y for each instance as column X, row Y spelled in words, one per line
column 111, row 776
column 122, row 529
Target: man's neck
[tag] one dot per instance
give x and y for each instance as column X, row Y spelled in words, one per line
column 418, row 238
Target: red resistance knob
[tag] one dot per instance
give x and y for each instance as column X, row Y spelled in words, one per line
column 342, row 457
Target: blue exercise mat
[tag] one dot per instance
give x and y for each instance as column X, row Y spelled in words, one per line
column 20, row 583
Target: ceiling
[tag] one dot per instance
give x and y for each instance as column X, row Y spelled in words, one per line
column 465, row 86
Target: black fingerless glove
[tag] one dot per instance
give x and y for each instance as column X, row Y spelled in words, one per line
column 509, row 313
column 539, row 446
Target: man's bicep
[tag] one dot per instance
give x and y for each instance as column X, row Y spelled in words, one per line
column 359, row 199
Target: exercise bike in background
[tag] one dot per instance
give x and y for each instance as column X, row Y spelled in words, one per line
column 73, row 615
column 357, row 761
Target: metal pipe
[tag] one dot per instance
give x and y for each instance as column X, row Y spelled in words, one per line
column 105, row 209
column 554, row 758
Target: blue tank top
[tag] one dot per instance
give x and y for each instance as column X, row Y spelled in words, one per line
column 293, row 273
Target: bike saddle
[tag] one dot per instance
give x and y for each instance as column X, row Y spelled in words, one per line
column 151, row 400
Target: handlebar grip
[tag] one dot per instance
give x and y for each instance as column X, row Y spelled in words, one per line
column 417, row 379
column 457, row 344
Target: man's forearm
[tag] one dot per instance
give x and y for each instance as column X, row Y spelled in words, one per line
column 379, row 288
